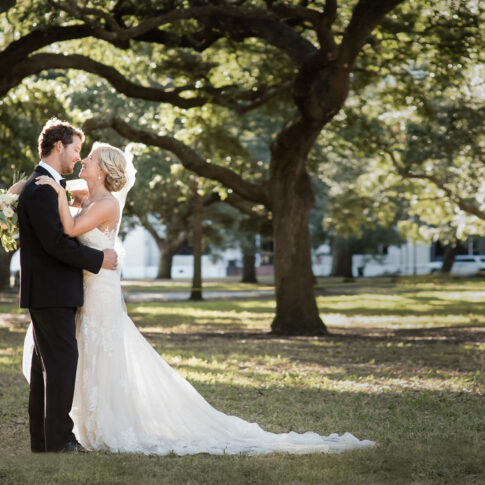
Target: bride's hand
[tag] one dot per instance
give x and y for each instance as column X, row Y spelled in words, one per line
column 45, row 180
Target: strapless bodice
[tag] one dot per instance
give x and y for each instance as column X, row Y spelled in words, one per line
column 98, row 239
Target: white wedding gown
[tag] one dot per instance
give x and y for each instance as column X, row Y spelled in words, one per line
column 128, row 399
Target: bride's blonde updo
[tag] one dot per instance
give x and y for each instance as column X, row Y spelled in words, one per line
column 113, row 163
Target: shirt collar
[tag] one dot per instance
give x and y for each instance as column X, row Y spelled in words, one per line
column 51, row 170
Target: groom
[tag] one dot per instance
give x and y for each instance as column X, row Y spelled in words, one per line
column 51, row 287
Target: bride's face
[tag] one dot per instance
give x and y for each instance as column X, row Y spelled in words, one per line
column 90, row 166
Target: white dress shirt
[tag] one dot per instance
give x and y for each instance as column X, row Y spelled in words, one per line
column 52, row 171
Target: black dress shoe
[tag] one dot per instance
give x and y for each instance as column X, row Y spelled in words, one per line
column 74, row 447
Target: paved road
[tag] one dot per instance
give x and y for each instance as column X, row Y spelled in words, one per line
column 147, row 296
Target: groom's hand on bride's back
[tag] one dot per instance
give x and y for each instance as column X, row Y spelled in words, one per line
column 110, row 260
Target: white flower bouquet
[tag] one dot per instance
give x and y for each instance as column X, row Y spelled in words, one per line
column 8, row 220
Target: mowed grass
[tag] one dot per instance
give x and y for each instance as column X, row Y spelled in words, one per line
column 403, row 366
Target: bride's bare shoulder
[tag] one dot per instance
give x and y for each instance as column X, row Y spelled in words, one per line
column 106, row 205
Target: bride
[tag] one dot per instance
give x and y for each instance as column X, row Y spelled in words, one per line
column 127, row 398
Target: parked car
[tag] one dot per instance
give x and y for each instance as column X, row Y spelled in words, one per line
column 464, row 265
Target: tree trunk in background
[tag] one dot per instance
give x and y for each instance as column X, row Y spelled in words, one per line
column 449, row 254
column 167, row 246
column 296, row 310
column 249, row 269
column 196, row 223
column 291, row 199
column 165, row 265
column 248, row 247
column 341, row 258
column 5, row 259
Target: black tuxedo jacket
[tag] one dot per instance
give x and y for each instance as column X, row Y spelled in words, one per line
column 50, row 261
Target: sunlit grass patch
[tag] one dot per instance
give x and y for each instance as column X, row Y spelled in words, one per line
column 411, row 308
column 211, row 316
column 402, row 320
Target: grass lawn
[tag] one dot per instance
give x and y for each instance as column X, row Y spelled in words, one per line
column 403, row 366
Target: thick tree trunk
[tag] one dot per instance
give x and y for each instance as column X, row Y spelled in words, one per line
column 165, row 265
column 296, row 308
column 249, row 259
column 291, row 201
column 5, row 259
column 196, row 219
column 341, row 258
column 449, row 254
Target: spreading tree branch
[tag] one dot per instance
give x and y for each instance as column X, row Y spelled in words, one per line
column 189, row 158
column 366, row 16
column 39, row 62
column 233, row 20
column 35, row 40
column 231, row 97
column 149, row 227
column 464, row 204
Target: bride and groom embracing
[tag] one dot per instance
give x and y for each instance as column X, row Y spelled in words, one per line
column 95, row 382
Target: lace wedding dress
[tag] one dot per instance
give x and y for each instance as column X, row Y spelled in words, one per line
column 128, row 399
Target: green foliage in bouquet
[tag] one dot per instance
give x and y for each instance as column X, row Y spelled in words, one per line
column 8, row 216
column 8, row 220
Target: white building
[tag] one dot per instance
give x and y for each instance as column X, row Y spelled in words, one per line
column 142, row 256
column 408, row 259
column 141, row 260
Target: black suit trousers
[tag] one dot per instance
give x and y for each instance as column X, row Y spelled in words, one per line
column 52, row 377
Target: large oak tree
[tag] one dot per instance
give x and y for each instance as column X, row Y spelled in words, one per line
column 305, row 52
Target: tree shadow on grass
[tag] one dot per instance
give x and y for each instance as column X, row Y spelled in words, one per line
column 461, row 334
column 10, row 338
column 401, row 354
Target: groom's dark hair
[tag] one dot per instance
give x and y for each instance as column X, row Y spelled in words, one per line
column 56, row 130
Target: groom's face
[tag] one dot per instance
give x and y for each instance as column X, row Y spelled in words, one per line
column 70, row 155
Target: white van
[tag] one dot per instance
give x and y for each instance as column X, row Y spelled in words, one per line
column 464, row 265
